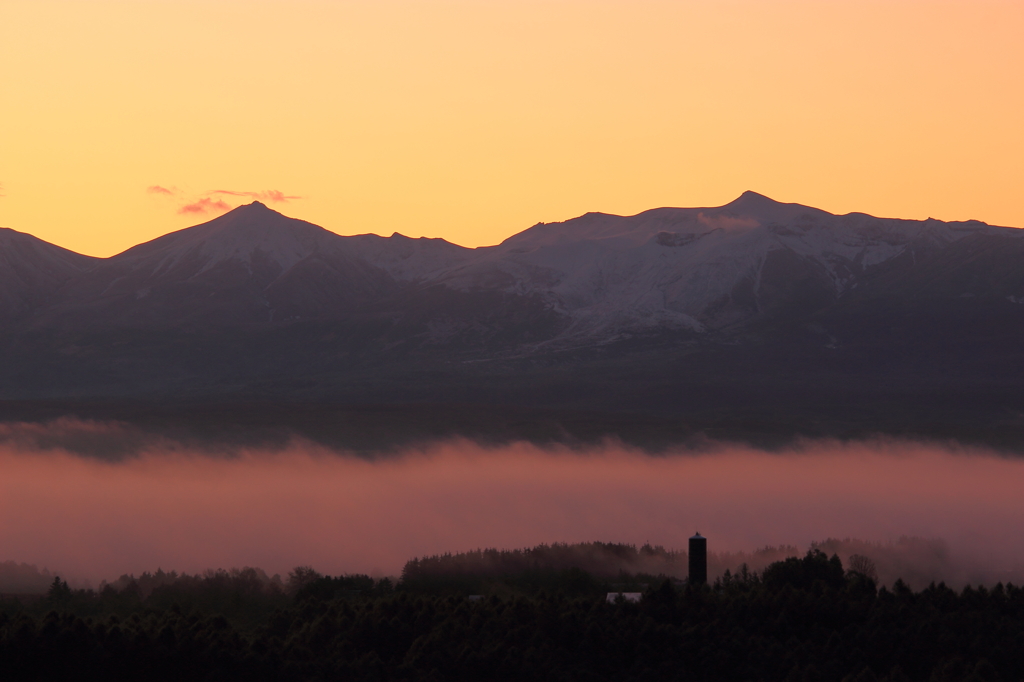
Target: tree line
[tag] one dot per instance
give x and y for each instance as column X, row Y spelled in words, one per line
column 802, row 618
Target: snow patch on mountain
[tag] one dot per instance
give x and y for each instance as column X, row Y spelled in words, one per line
column 249, row 233
column 405, row 258
column 679, row 268
column 692, row 270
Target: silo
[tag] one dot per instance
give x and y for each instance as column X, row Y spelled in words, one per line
column 698, row 560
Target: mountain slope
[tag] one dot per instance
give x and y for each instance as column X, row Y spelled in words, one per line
column 703, row 269
column 252, row 266
column 31, row 270
column 756, row 310
column 686, row 271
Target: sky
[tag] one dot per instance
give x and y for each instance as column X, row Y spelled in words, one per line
column 472, row 120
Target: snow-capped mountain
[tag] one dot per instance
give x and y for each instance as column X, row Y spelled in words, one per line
column 698, row 269
column 254, row 294
column 251, row 266
column 407, row 259
column 693, row 270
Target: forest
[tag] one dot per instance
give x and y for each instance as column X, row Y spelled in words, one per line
column 543, row 613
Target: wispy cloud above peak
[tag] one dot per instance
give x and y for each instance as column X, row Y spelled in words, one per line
column 214, row 201
column 204, row 206
column 272, row 195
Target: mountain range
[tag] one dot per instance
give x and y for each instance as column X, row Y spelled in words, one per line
column 737, row 312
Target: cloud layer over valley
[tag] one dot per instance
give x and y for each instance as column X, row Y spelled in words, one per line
column 178, row 507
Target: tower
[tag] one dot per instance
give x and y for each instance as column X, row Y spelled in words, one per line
column 698, row 560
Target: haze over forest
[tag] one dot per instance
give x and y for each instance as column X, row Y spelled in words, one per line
column 170, row 505
column 402, row 340
column 770, row 373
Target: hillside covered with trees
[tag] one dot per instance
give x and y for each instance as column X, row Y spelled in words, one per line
column 802, row 618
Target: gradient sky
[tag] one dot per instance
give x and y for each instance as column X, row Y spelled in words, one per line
column 474, row 119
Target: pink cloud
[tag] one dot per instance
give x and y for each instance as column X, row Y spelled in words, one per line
column 176, row 507
column 211, row 201
column 203, row 206
column 273, row 195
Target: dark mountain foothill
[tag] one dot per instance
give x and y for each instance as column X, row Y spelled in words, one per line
column 756, row 321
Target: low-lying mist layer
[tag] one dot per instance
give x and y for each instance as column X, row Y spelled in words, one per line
column 177, row 507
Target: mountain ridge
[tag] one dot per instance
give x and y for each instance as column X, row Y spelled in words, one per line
column 755, row 311
column 685, row 269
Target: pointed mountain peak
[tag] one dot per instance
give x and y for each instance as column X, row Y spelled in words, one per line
column 253, row 208
column 751, row 200
column 766, row 209
column 248, row 215
column 237, row 235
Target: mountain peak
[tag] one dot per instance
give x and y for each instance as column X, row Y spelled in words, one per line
column 766, row 209
column 254, row 207
column 248, row 217
column 752, row 200
column 235, row 236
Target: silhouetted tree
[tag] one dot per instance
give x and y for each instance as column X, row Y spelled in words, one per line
column 861, row 564
column 59, row 594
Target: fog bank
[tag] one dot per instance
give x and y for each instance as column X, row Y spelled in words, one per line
column 178, row 509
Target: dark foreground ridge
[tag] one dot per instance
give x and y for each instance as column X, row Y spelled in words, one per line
column 799, row 619
column 701, row 421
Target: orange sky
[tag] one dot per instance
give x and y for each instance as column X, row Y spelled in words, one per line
column 473, row 119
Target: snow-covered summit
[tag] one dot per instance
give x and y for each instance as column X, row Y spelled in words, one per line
column 696, row 268
column 405, row 258
column 747, row 212
column 601, row 275
column 246, row 234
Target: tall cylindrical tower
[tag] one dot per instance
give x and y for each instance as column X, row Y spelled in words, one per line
column 698, row 560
